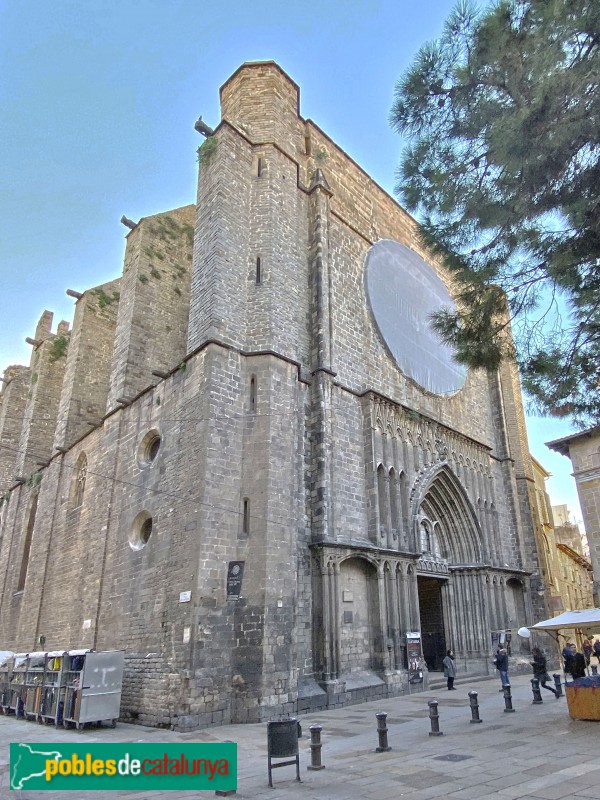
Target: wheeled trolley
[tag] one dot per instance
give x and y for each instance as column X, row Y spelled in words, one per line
column 93, row 684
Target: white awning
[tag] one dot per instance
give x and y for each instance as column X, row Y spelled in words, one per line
column 587, row 619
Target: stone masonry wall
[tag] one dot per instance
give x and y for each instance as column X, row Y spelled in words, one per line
column 48, row 361
column 86, row 586
column 154, row 302
column 524, row 542
column 276, row 307
column 263, row 102
column 85, row 390
column 13, row 401
column 361, row 213
column 223, row 253
column 17, row 513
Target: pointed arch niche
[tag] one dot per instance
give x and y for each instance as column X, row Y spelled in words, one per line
column 359, row 615
column 364, row 603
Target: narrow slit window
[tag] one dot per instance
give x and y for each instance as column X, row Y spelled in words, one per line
column 259, row 169
column 307, row 148
column 253, row 393
column 258, row 270
column 246, row 517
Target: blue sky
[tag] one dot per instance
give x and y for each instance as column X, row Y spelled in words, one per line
column 99, row 101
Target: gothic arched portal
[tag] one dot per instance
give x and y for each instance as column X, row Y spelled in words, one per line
column 443, row 501
column 451, row 594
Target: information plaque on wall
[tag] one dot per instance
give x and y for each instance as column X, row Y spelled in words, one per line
column 235, row 573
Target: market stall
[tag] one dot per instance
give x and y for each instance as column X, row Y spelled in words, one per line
column 583, row 694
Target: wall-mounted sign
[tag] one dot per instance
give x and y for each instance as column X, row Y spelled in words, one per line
column 414, row 656
column 235, row 573
column 185, row 597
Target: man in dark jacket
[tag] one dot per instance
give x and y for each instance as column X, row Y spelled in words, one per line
column 566, row 653
column 501, row 662
column 575, row 663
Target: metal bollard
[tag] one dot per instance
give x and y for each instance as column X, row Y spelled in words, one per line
column 537, row 695
column 558, row 684
column 315, row 747
column 507, row 699
column 382, row 732
column 435, row 718
column 594, row 669
column 474, row 707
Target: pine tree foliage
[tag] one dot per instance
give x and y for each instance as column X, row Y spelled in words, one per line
column 502, row 116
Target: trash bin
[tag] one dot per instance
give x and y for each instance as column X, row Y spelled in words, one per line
column 282, row 742
column 583, row 697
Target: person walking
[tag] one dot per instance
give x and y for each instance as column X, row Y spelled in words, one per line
column 501, row 662
column 449, row 669
column 575, row 663
column 540, row 671
column 587, row 651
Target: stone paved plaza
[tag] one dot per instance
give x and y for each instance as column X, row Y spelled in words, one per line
column 537, row 752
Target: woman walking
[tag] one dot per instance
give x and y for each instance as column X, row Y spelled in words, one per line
column 449, row 669
column 540, row 672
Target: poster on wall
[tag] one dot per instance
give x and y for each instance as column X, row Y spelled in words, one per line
column 415, row 657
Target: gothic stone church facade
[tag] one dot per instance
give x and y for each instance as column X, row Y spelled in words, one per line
column 246, row 465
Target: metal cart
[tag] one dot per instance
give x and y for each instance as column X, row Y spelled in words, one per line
column 93, row 684
column 16, row 691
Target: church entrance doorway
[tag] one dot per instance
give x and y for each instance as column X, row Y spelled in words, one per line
column 433, row 635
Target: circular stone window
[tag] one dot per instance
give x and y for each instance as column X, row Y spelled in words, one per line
column 141, row 530
column 403, row 291
column 149, row 448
